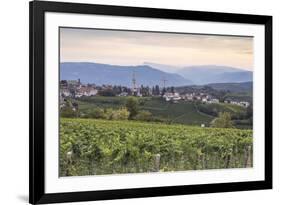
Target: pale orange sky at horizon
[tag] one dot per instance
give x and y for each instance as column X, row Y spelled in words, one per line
column 136, row 47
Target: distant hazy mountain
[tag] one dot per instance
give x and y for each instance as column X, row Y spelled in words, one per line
column 163, row 67
column 215, row 74
column 118, row 75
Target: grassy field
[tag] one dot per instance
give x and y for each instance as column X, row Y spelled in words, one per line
column 97, row 147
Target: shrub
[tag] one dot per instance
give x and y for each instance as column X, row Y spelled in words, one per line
column 120, row 114
column 97, row 113
column 144, row 116
column 223, row 121
column 68, row 112
column 132, row 105
column 108, row 112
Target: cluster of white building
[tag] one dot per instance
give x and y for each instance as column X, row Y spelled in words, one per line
column 86, row 91
column 190, row 97
column 172, row 96
column 202, row 97
column 76, row 89
column 241, row 103
column 79, row 92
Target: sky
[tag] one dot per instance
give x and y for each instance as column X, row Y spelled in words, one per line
column 134, row 48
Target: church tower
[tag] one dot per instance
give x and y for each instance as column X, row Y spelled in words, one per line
column 134, row 84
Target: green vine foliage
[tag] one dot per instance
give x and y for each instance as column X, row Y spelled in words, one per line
column 99, row 147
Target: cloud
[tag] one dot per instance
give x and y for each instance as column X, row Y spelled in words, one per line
column 131, row 47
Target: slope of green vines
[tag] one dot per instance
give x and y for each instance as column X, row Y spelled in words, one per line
column 97, row 147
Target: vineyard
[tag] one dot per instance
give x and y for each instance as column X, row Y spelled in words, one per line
column 97, row 147
column 182, row 112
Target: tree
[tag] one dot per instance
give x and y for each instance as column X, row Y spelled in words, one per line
column 147, row 91
column 172, row 89
column 117, row 90
column 142, row 91
column 223, row 121
column 157, row 90
column 249, row 111
column 163, row 91
column 153, row 90
column 106, row 92
column 132, row 106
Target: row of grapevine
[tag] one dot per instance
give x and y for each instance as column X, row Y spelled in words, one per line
column 96, row 147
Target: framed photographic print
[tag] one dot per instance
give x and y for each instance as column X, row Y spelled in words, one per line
column 140, row 102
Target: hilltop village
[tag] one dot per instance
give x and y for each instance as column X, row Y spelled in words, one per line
column 76, row 89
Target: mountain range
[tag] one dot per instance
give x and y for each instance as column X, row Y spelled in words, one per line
column 207, row 74
column 119, row 75
column 163, row 67
column 150, row 74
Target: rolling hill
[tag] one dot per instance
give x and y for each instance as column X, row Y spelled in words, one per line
column 233, row 87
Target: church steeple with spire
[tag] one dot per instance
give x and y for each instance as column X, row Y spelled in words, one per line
column 134, row 84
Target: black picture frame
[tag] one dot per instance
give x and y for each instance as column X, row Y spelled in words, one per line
column 37, row 150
